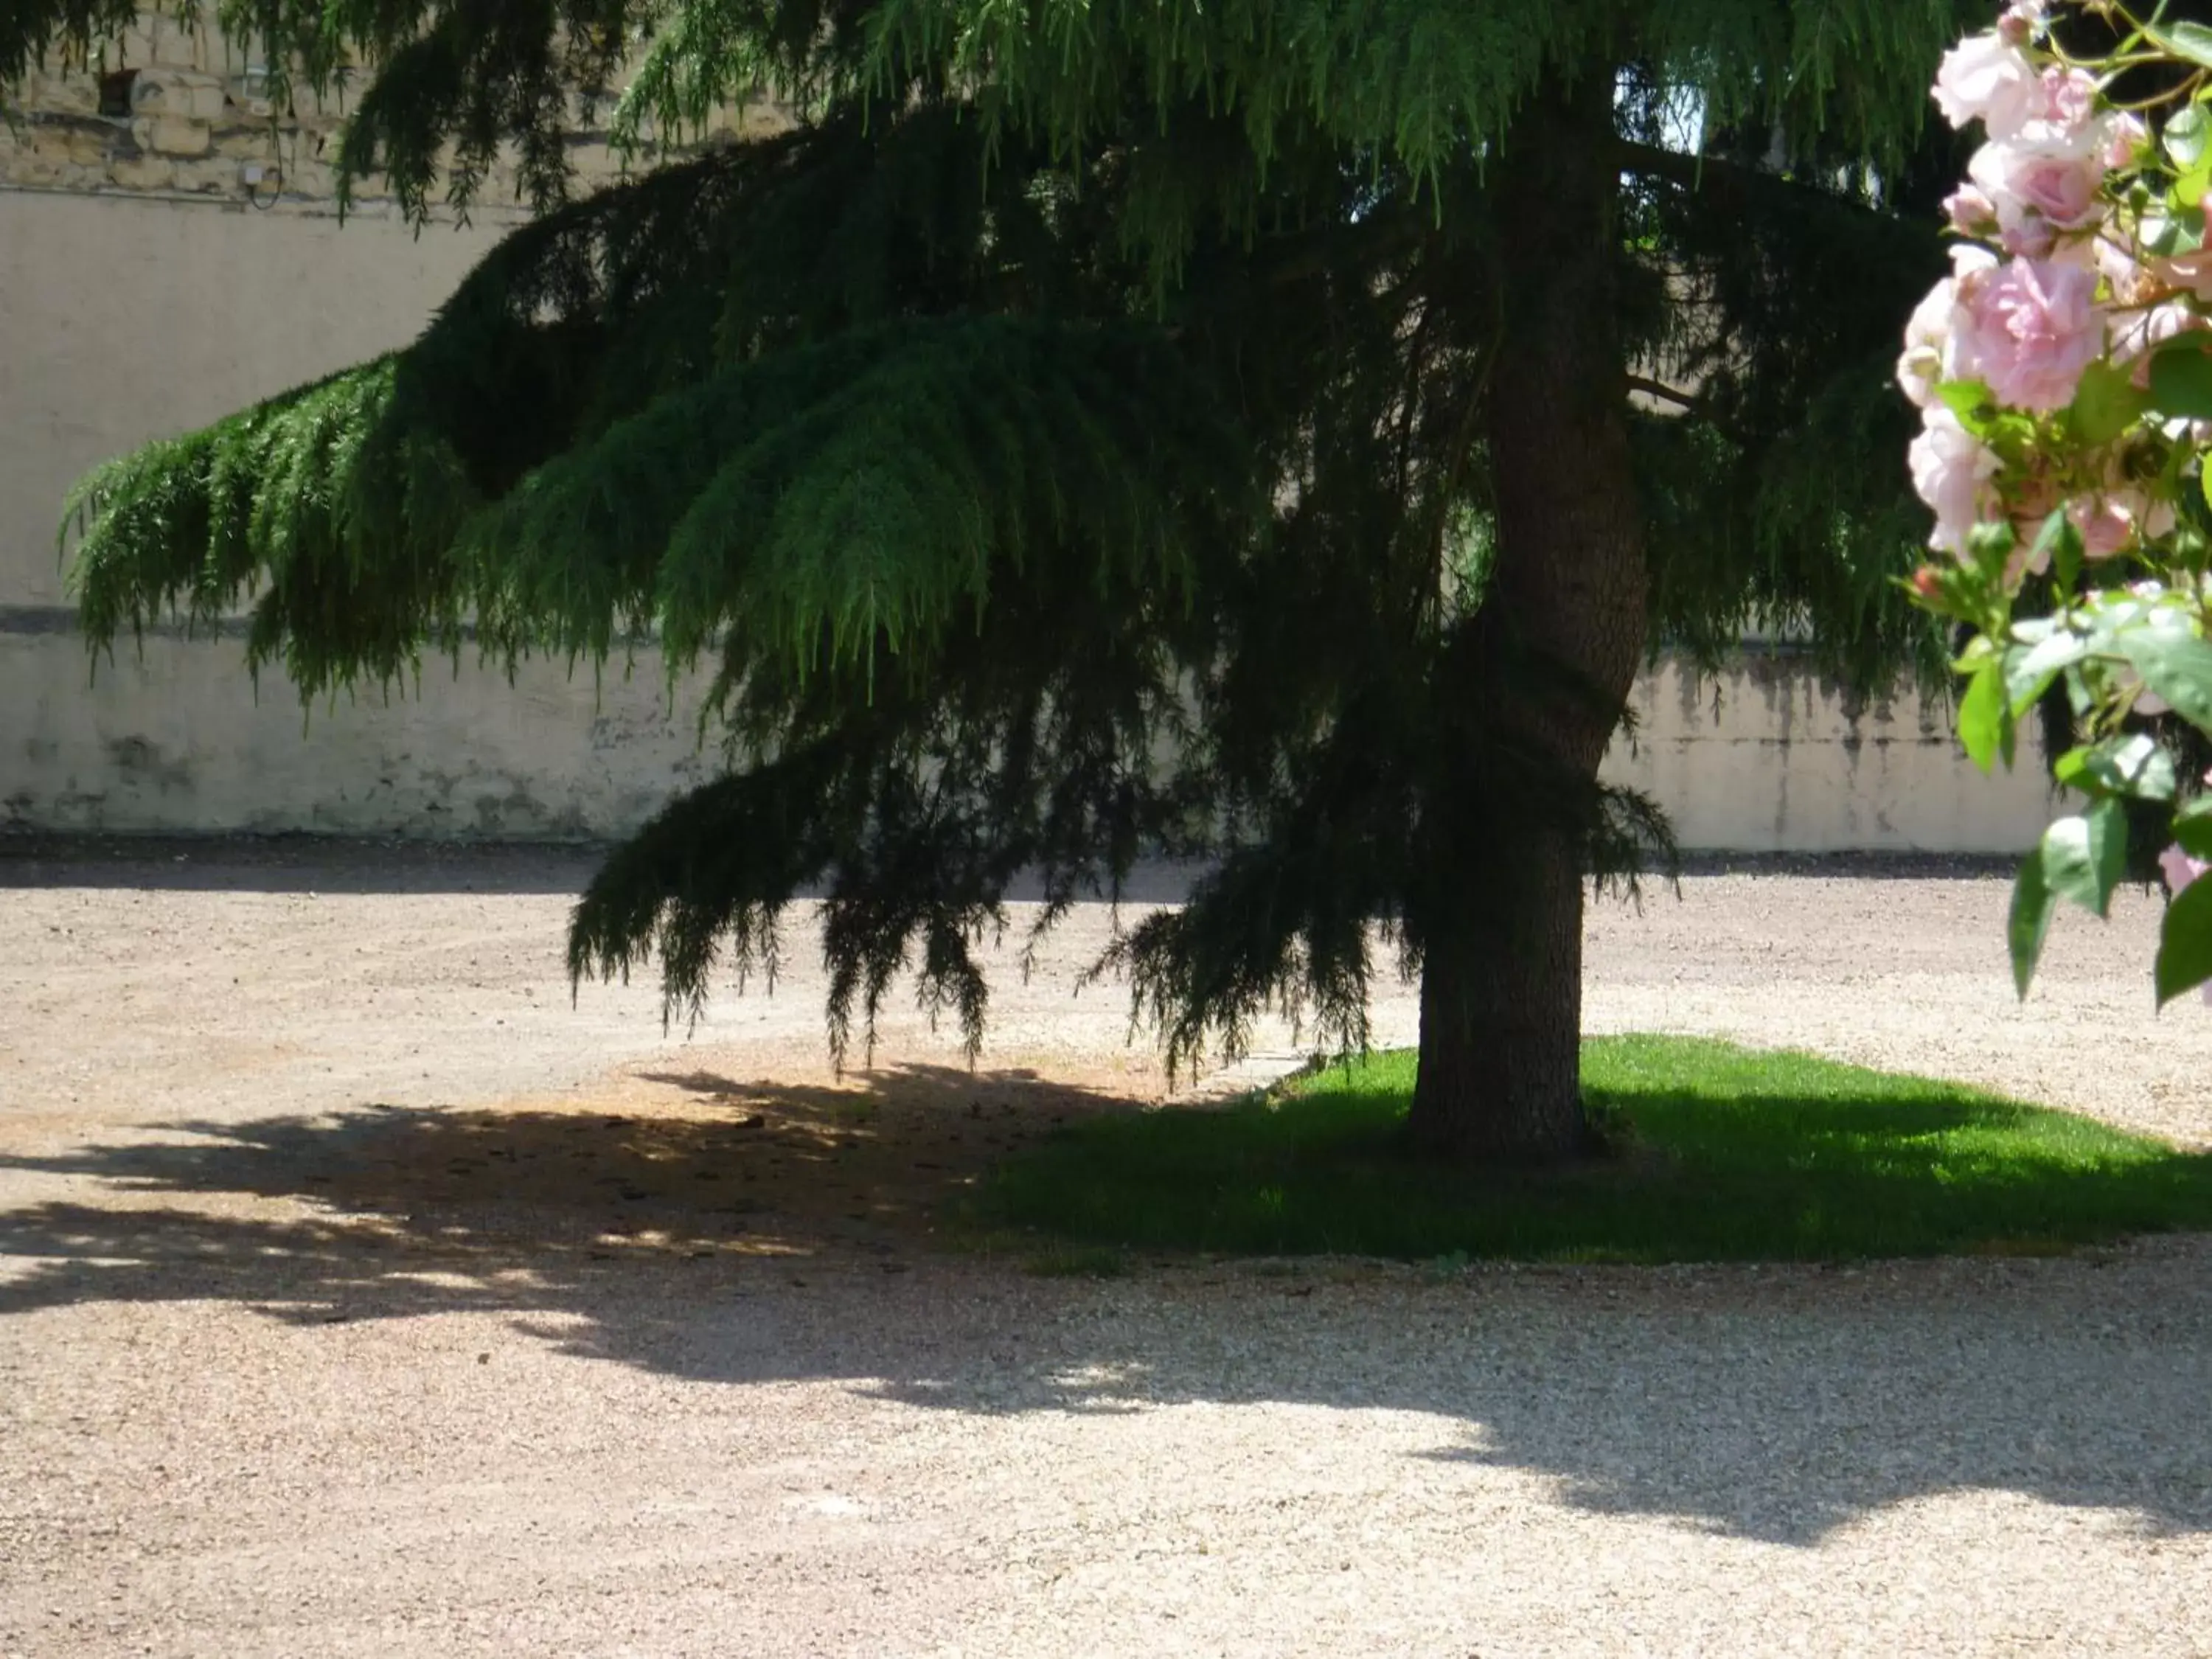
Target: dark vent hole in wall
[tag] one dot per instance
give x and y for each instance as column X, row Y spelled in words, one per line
column 115, row 94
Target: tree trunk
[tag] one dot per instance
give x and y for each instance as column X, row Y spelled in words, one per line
column 1552, row 656
column 1501, row 1017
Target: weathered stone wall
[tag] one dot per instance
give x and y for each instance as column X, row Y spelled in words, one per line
column 176, row 738
column 169, row 110
column 1768, row 758
column 126, row 316
column 165, row 109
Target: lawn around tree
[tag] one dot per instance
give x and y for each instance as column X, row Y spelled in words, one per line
column 1713, row 1153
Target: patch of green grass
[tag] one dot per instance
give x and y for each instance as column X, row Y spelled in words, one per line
column 1720, row 1153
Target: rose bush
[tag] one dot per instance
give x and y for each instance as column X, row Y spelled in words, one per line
column 2063, row 371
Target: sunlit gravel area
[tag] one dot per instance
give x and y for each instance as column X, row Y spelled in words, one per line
column 361, row 1292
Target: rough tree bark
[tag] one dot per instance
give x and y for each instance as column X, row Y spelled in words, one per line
column 1501, row 987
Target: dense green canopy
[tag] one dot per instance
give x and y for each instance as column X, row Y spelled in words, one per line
column 1075, row 439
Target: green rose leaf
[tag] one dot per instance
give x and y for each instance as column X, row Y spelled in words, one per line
column 2180, row 230
column 2187, row 136
column 2134, row 766
column 1982, row 716
column 2192, row 828
column 2184, row 942
column 2058, row 543
column 2177, row 666
column 1990, row 547
column 2181, row 381
column 2028, row 673
column 2029, row 921
column 2106, row 404
column 2071, row 771
column 2085, row 857
column 2190, row 41
column 1972, row 402
column 2190, row 188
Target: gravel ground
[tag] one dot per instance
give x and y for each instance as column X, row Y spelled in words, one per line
column 361, row 1295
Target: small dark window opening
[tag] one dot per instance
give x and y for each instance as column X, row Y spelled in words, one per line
column 115, row 94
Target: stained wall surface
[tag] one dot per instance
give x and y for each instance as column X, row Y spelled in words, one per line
column 131, row 315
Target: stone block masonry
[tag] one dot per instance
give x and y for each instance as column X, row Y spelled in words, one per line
column 164, row 110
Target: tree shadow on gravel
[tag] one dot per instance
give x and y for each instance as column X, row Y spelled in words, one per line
column 728, row 1232
column 692, row 1162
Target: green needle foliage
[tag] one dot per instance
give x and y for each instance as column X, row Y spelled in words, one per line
column 1102, row 428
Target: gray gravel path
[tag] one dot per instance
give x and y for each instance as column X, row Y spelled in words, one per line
column 276, row 1377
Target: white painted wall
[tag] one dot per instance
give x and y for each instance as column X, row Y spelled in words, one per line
column 125, row 319
column 1767, row 758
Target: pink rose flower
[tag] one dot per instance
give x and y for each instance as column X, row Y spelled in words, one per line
column 2069, row 98
column 2106, row 525
column 2119, row 515
column 2124, row 138
column 1951, row 472
column 2020, row 21
column 2029, row 328
column 1971, row 212
column 1985, row 79
column 1927, row 346
column 2132, row 285
column 1930, row 337
column 2179, row 868
column 2055, row 185
column 1967, row 262
column 2190, row 271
